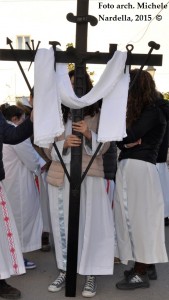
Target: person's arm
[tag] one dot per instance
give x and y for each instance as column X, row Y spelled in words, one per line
column 29, row 157
column 131, row 145
column 164, row 106
column 90, row 142
column 82, row 127
column 14, row 135
column 145, row 123
column 71, row 141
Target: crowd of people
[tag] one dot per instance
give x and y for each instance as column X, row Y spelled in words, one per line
column 117, row 208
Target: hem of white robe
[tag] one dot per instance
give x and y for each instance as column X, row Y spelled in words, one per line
column 99, row 271
column 125, row 261
column 31, row 248
column 91, row 271
column 6, row 275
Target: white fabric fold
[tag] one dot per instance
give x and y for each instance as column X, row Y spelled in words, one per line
column 53, row 88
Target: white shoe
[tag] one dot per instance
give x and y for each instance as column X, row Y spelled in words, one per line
column 58, row 284
column 90, row 286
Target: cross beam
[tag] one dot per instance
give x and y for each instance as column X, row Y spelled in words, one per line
column 72, row 55
column 80, row 57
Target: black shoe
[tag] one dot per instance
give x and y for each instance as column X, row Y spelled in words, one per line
column 46, row 247
column 151, row 271
column 166, row 221
column 8, row 292
column 133, row 281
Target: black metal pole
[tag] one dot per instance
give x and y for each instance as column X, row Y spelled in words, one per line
column 153, row 46
column 76, row 157
column 9, row 42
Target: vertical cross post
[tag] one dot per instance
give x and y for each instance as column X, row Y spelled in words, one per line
column 76, row 153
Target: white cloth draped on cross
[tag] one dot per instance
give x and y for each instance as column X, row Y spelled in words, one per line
column 53, row 88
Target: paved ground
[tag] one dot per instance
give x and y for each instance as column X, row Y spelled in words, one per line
column 33, row 284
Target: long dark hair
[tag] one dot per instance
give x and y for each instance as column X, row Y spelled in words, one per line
column 142, row 93
column 88, row 110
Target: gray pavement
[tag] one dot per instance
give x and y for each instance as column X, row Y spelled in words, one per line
column 34, row 283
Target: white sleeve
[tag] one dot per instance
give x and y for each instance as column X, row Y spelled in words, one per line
column 29, row 157
column 91, row 146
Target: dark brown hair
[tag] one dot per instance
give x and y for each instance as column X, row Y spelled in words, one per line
column 11, row 111
column 142, row 93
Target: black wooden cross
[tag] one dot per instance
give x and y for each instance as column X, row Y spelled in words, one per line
column 80, row 57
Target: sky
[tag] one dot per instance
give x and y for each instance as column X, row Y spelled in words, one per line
column 119, row 21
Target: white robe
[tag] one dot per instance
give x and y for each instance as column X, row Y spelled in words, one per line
column 10, row 250
column 164, row 179
column 109, row 184
column 139, row 213
column 20, row 161
column 44, row 202
column 96, row 233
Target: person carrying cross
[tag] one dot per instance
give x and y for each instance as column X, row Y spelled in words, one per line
column 96, row 233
